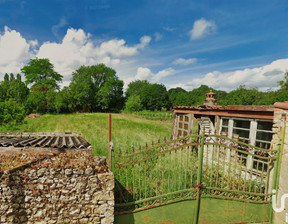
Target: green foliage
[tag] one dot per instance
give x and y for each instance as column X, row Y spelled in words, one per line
column 242, row 96
column 155, row 97
column 11, row 113
column 152, row 96
column 96, row 88
column 13, row 89
column 284, row 83
column 155, row 115
column 63, row 101
column 178, row 97
column 17, row 91
column 40, row 71
column 197, row 96
column 133, row 104
column 12, row 77
column 6, row 77
column 135, row 87
column 41, row 99
column 110, row 95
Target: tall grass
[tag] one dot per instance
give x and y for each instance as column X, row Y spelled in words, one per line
column 127, row 131
column 153, row 115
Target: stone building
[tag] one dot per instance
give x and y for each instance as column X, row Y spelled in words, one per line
column 53, row 178
column 249, row 123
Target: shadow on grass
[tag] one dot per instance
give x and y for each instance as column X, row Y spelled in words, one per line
column 124, row 205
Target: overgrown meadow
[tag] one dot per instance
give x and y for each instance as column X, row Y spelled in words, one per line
column 127, row 130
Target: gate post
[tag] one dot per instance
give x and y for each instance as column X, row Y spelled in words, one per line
column 110, row 143
column 199, row 177
column 280, row 178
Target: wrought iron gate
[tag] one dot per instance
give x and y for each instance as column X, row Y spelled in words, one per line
column 190, row 169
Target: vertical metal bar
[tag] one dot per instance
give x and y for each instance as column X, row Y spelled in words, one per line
column 109, row 143
column 145, row 181
column 212, row 160
column 199, row 177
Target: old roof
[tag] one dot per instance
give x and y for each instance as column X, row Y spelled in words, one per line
column 229, row 108
column 242, row 111
column 43, row 140
column 281, row 105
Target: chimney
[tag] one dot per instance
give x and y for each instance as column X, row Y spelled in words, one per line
column 210, row 99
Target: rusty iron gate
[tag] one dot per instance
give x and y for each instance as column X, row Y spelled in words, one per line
column 183, row 177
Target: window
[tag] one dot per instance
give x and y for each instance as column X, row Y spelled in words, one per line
column 242, row 128
column 225, row 123
column 183, row 125
column 253, row 131
column 264, row 134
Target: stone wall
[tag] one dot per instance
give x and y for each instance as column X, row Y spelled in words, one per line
column 281, row 123
column 55, row 186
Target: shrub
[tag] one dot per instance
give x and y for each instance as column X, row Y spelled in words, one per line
column 11, row 113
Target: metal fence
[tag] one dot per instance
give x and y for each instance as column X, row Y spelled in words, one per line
column 190, row 168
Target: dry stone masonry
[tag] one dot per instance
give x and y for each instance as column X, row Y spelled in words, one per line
column 54, row 186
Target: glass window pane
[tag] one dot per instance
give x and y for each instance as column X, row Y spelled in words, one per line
column 186, row 126
column 263, row 145
column 241, row 124
column 264, row 136
column 241, row 133
column 265, row 125
column 224, row 129
column 225, row 122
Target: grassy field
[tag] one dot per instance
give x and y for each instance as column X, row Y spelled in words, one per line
column 127, row 131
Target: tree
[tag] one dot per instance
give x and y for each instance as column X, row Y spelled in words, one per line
column 19, row 77
column 242, row 96
column 41, row 99
column 17, row 91
column 96, row 88
column 11, row 113
column 284, row 83
column 198, row 95
column 133, row 104
column 178, row 97
column 154, row 97
column 12, row 77
column 63, row 101
column 135, row 87
column 110, row 96
column 6, row 77
column 41, row 72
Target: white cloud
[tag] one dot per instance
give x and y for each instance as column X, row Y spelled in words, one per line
column 75, row 49
column 183, row 61
column 78, row 48
column 202, row 28
column 14, row 51
column 264, row 77
column 146, row 74
column 158, row 36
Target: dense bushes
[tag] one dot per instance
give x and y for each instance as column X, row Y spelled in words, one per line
column 11, row 113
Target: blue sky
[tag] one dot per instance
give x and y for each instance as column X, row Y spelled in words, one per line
column 223, row 44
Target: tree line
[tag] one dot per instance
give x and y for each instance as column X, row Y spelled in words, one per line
column 97, row 88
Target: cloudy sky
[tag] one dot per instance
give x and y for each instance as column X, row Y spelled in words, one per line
column 222, row 44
